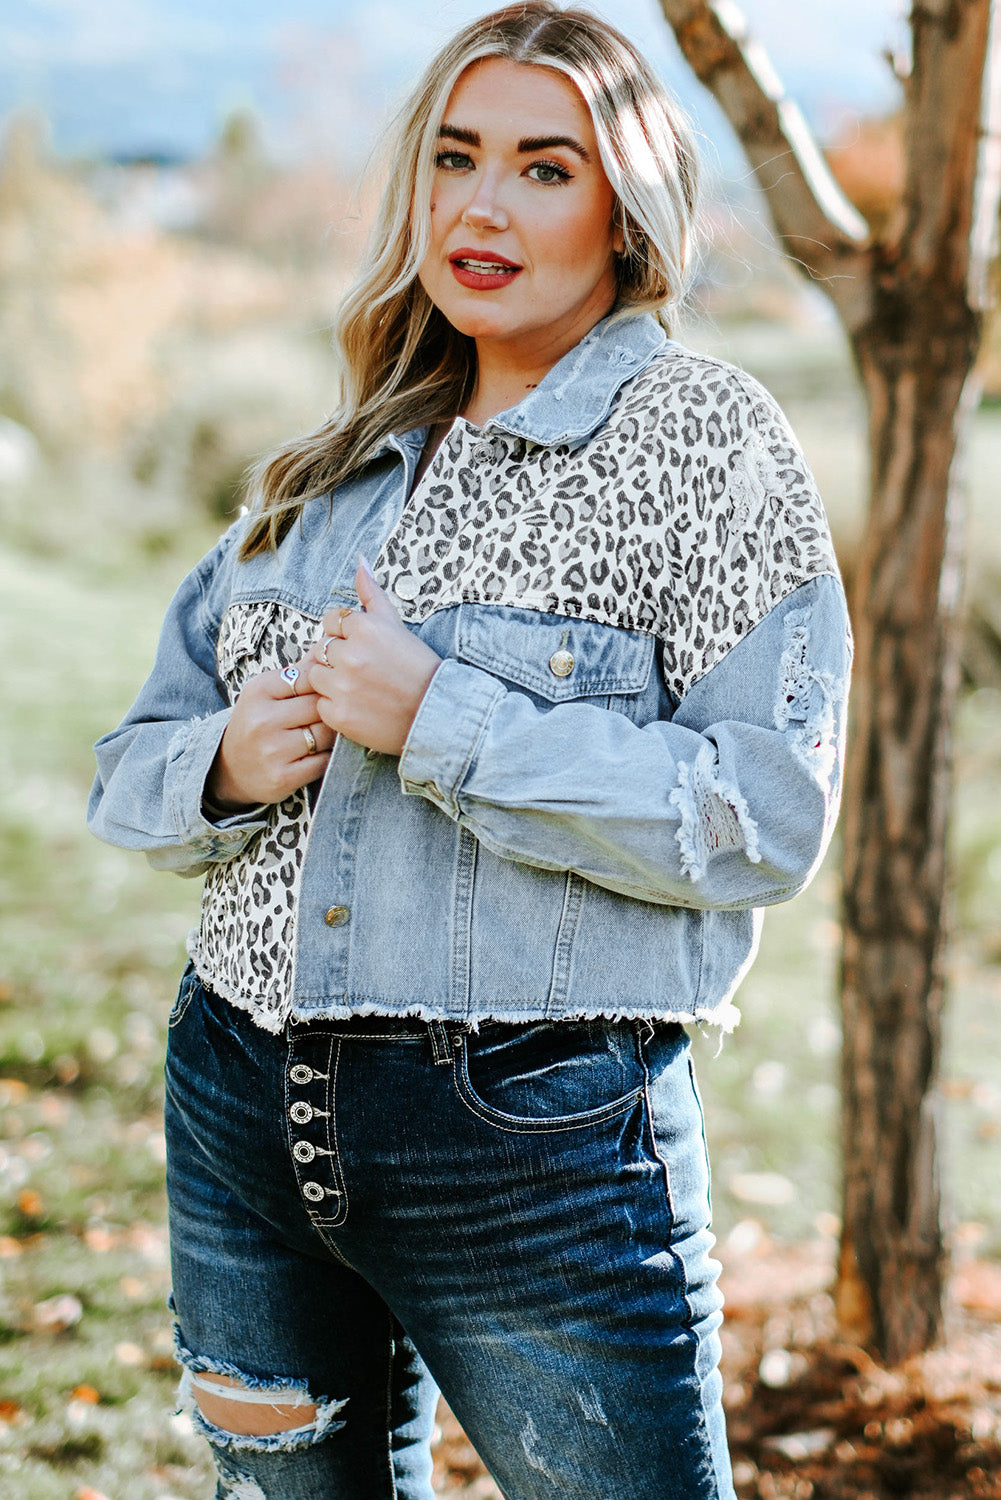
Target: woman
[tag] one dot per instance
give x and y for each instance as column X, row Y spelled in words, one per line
column 484, row 824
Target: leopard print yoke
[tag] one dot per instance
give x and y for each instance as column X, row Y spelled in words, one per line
column 686, row 516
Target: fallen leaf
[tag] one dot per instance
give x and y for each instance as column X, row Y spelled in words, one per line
column 30, row 1203
column 85, row 1393
column 797, row 1446
column 10, row 1412
column 99, row 1239
column 56, row 1313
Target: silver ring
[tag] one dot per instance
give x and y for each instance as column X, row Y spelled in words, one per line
column 291, row 676
column 326, row 642
column 310, row 739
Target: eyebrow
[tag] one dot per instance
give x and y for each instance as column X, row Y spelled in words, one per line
column 526, row 145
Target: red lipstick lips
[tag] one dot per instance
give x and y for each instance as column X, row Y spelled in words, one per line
column 482, row 270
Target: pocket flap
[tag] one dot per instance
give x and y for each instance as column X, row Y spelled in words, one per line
column 552, row 656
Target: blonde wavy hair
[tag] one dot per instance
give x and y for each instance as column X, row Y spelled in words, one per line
column 403, row 364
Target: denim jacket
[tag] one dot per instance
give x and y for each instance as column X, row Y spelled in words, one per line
column 632, row 745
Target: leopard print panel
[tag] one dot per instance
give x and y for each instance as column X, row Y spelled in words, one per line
column 688, row 516
column 244, row 947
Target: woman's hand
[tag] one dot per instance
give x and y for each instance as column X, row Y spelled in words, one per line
column 274, row 743
column 376, row 673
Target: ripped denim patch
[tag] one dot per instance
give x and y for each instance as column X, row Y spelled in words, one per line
column 275, row 1391
column 714, row 815
column 806, row 701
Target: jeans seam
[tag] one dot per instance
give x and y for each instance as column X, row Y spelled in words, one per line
column 690, row 1333
column 332, row 1142
column 391, row 1468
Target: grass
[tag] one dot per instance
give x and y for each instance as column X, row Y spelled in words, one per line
column 92, row 944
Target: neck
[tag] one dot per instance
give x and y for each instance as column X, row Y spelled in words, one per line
column 506, row 372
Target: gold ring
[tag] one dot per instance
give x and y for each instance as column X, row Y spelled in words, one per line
column 310, row 739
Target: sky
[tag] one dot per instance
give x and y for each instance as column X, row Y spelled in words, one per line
column 135, row 76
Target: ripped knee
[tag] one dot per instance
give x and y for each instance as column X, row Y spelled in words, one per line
column 234, row 1408
column 235, row 1411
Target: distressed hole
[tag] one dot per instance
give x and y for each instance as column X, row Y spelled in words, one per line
column 249, row 1413
column 713, row 815
column 241, row 1487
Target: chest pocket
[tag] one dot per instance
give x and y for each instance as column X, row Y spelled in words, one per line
column 555, row 659
column 258, row 636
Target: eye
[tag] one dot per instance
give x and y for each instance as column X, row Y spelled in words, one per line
column 453, row 161
column 549, row 171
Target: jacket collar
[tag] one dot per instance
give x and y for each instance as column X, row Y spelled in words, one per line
column 576, row 395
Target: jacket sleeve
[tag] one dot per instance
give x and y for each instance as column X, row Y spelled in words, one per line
column 151, row 770
column 728, row 804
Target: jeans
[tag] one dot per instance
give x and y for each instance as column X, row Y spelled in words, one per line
column 364, row 1212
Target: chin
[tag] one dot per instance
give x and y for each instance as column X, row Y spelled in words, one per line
column 477, row 323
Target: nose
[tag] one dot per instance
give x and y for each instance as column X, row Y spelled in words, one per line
column 484, row 210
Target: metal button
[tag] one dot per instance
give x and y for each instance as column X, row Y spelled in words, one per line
column 303, row 1151
column 407, row 586
column 301, row 1112
column 481, row 453
column 300, row 1073
column 336, row 916
column 561, row 663
column 313, row 1191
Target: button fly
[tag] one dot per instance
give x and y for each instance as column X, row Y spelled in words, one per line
column 303, row 1151
column 300, row 1073
column 301, row 1113
column 313, row 1191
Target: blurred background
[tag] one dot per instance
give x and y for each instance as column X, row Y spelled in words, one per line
column 184, row 191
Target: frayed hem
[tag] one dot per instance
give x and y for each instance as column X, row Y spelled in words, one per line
column 271, row 1021
column 726, row 1016
column 286, row 1390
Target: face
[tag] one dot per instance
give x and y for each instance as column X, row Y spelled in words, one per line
column 522, row 238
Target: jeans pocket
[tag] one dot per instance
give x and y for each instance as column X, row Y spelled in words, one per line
column 189, row 984
column 549, row 1075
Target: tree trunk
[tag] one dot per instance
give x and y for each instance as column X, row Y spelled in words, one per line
column 914, row 359
column 911, row 303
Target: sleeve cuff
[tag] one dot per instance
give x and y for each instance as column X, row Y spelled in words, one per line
column 190, row 759
column 448, row 727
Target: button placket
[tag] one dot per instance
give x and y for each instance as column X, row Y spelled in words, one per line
column 310, row 1105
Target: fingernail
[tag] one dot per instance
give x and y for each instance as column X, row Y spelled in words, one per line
column 364, row 563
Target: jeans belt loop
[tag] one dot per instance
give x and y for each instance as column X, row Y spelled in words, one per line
column 439, row 1044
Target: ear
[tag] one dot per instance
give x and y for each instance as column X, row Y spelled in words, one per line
column 618, row 238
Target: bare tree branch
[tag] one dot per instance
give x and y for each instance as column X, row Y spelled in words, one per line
column 818, row 226
column 950, row 140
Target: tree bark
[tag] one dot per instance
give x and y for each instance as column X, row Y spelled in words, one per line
column 912, row 306
column 893, row 1263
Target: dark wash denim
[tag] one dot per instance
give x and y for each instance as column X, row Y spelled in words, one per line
column 526, row 1205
